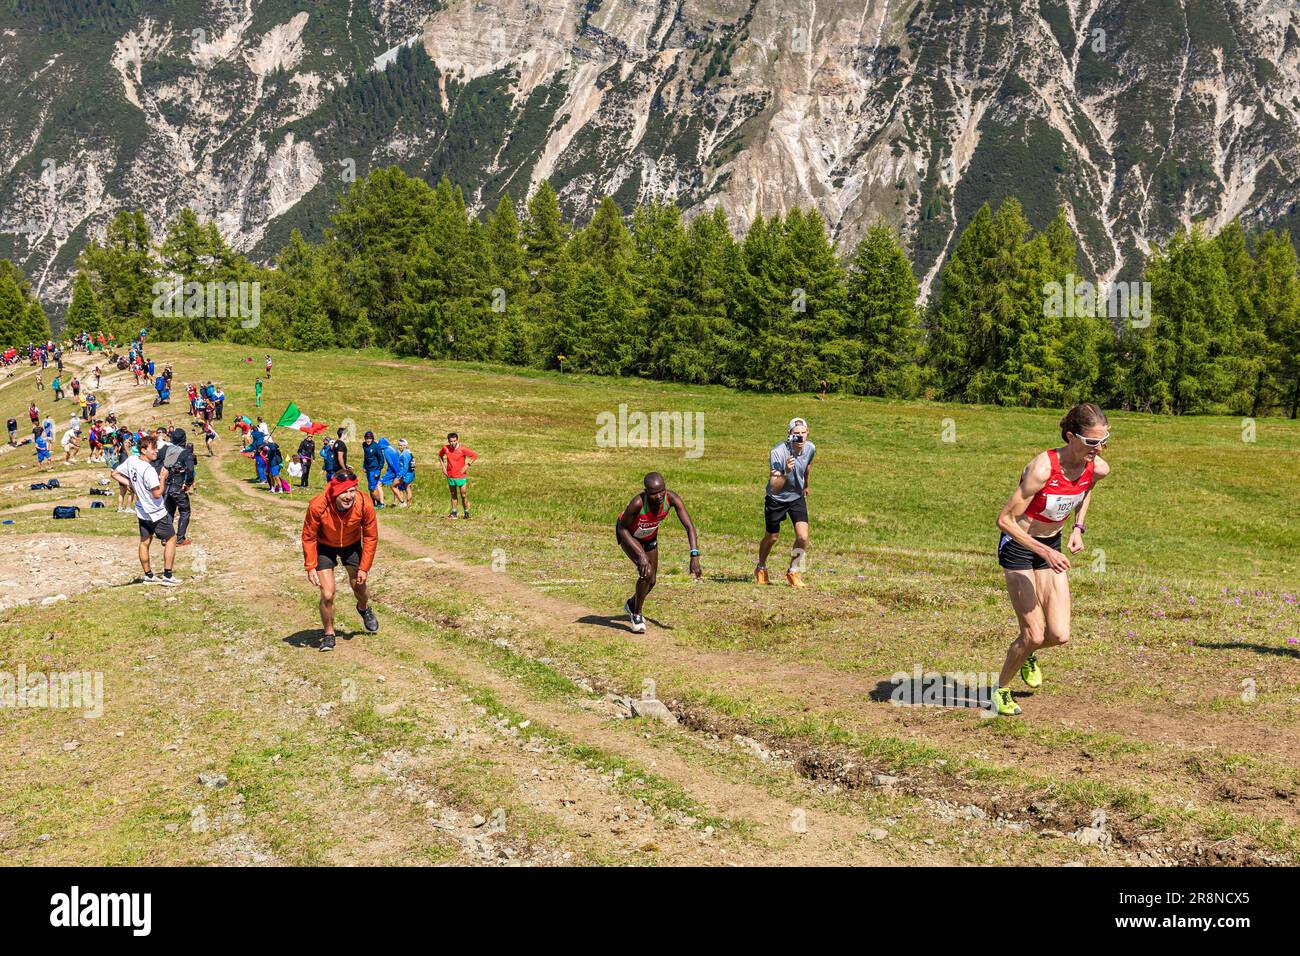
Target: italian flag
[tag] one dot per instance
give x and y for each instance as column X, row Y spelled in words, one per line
column 292, row 418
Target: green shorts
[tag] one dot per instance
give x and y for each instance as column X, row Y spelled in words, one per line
column 456, row 482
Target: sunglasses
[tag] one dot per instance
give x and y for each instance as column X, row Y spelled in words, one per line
column 1095, row 442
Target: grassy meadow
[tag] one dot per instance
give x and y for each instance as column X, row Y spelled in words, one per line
column 1174, row 705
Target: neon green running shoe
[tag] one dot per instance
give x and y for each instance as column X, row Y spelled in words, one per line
column 1031, row 673
column 1006, row 707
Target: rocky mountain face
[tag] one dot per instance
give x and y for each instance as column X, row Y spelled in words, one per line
column 1136, row 116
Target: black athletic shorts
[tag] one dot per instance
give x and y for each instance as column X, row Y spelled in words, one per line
column 1015, row 557
column 161, row 529
column 645, row 545
column 327, row 557
column 774, row 511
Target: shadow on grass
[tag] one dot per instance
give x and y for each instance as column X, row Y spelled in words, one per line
column 936, row 690
column 311, row 637
column 1243, row 646
column 618, row 622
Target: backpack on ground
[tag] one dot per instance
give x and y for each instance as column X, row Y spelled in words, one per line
column 39, row 486
column 97, row 504
column 52, row 483
column 65, row 511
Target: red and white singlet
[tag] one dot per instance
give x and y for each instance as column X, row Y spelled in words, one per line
column 1056, row 499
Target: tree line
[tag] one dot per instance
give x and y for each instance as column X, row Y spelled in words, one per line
column 1213, row 326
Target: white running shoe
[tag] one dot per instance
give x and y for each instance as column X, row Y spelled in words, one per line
column 169, row 582
column 636, row 620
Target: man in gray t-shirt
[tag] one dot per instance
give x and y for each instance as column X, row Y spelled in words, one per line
column 787, row 490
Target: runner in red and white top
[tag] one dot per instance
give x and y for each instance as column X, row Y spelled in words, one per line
column 637, row 530
column 1057, row 483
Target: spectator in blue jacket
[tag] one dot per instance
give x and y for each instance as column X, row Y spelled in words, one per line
column 372, row 460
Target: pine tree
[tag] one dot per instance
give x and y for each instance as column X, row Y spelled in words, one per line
column 13, row 311
column 1275, row 301
column 1193, row 309
column 544, row 234
column 1239, row 347
column 122, row 273
column 608, row 316
column 681, row 278
column 377, row 231
column 882, row 315
column 83, row 314
column 38, row 324
column 960, row 315
column 518, row 331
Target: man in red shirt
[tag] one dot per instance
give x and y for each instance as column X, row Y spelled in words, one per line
column 455, row 460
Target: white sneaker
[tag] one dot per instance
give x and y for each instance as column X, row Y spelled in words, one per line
column 168, row 582
column 636, row 620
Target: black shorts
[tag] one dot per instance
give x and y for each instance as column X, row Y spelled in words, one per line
column 327, row 557
column 161, row 529
column 1015, row 557
column 774, row 511
column 645, row 545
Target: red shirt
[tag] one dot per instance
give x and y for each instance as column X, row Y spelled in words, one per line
column 455, row 459
column 1060, row 495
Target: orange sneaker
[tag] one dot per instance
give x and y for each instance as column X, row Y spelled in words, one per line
column 795, row 579
column 760, row 575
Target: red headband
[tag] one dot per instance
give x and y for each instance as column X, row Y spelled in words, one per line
column 340, row 485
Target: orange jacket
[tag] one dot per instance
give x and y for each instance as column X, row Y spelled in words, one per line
column 324, row 524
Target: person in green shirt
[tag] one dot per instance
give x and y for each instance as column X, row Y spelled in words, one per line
column 257, row 389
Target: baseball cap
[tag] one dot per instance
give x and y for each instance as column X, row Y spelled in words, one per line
column 370, row 435
column 402, row 442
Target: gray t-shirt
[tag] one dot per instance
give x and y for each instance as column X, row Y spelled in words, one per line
column 797, row 476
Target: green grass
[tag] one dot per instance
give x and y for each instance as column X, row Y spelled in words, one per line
column 1196, row 595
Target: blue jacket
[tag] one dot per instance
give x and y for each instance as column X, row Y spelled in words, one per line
column 393, row 459
column 373, row 456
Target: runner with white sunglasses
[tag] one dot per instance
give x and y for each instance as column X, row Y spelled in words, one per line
column 1057, row 483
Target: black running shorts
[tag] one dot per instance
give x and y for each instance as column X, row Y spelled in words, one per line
column 161, row 529
column 1015, row 557
column 327, row 557
column 774, row 512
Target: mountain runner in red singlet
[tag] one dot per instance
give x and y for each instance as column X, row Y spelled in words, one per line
column 637, row 530
column 1057, row 482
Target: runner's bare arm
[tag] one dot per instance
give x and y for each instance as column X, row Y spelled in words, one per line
column 1100, row 471
column 1032, row 480
column 627, row 522
column 680, row 507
